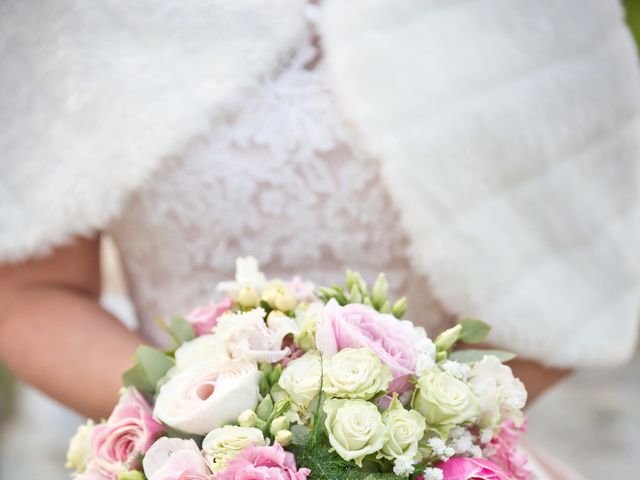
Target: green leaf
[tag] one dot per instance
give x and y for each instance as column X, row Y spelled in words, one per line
column 179, row 329
column 470, row 356
column 149, row 367
column 473, row 331
column 265, row 407
column 300, row 434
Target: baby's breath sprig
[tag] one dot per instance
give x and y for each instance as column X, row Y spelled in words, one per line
column 357, row 291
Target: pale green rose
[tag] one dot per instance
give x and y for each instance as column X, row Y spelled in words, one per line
column 301, row 379
column 355, row 373
column 355, row 428
column 80, row 447
column 444, row 400
column 224, row 443
column 405, row 427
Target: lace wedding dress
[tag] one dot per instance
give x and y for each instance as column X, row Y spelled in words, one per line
column 280, row 181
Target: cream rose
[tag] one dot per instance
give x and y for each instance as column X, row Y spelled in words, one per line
column 223, row 444
column 406, row 428
column 205, row 349
column 444, row 400
column 355, row 373
column 301, row 379
column 501, row 396
column 205, row 396
column 355, row 428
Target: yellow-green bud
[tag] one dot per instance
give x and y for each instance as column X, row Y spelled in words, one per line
column 278, row 424
column 386, row 307
column 284, row 300
column 248, row 418
column 399, row 307
column 380, row 291
column 284, row 437
column 448, row 338
column 248, row 297
column 355, row 296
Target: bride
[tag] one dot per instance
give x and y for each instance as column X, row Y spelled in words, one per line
column 484, row 154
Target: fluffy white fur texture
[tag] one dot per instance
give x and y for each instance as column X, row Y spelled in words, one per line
column 510, row 138
column 508, row 133
column 94, row 94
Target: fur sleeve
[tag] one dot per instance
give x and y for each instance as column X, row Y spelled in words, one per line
column 509, row 134
column 94, row 95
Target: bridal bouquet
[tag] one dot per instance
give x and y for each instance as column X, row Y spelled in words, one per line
column 281, row 380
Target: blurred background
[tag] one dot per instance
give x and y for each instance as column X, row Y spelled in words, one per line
column 592, row 420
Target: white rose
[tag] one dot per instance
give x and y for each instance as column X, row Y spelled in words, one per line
column 355, row 428
column 203, row 397
column 301, row 379
column 80, row 447
column 501, row 395
column 203, row 349
column 246, row 335
column 355, row 373
column 406, row 428
column 248, row 274
column 223, row 444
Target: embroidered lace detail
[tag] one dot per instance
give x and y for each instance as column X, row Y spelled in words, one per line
column 279, row 182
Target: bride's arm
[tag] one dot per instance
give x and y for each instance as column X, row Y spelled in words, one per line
column 55, row 335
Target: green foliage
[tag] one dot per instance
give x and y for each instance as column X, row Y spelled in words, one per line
column 327, row 465
column 357, row 291
column 633, row 17
column 179, row 329
column 470, row 356
column 150, row 366
column 473, row 331
column 265, row 408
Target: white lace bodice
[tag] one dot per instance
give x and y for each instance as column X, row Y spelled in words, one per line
column 279, row 182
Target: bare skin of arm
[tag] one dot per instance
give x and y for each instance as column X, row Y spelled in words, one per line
column 55, row 335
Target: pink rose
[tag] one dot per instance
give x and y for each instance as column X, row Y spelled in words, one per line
column 175, row 459
column 119, row 443
column 263, row 463
column 358, row 326
column 461, row 468
column 506, row 455
column 204, row 318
